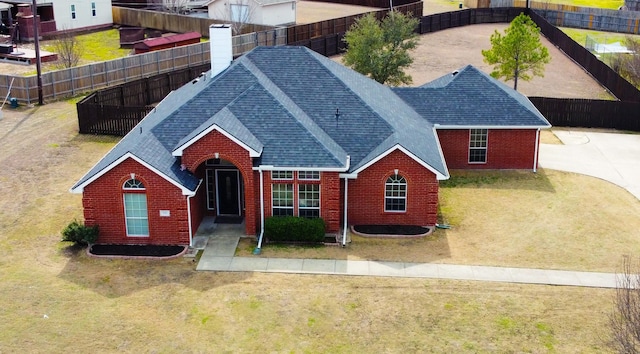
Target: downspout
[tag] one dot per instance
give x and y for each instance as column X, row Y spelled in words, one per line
column 346, row 199
column 189, row 213
column 257, row 250
column 535, row 157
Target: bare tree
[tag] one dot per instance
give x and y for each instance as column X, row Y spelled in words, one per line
column 625, row 319
column 173, row 6
column 628, row 65
column 239, row 13
column 68, row 48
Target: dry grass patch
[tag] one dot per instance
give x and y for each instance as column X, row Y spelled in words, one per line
column 548, row 137
column 549, row 219
column 131, row 306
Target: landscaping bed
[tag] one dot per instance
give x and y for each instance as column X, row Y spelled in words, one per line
column 391, row 230
column 133, row 251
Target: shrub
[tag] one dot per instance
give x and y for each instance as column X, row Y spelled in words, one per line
column 79, row 233
column 294, row 229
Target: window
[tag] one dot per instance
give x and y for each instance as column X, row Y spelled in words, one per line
column 240, row 13
column 309, row 200
column 73, row 12
column 135, row 208
column 282, row 199
column 395, row 196
column 93, row 9
column 478, row 145
column 309, row 175
column 281, row 174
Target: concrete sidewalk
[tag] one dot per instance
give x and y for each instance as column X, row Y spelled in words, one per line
column 215, row 260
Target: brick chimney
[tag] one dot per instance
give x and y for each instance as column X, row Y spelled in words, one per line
column 221, row 48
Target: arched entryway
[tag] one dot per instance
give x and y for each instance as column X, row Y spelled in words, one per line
column 224, row 188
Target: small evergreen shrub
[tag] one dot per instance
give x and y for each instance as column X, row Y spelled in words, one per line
column 294, row 229
column 79, row 233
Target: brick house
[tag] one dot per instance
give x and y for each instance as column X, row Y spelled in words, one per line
column 285, row 131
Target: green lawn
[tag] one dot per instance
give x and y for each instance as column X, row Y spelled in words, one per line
column 580, row 36
column 98, row 46
column 605, row 4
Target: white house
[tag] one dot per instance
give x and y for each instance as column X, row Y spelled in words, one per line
column 61, row 15
column 262, row 12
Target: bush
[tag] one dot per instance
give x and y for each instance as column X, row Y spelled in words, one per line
column 294, row 229
column 79, row 233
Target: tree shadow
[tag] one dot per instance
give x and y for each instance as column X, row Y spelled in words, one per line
column 113, row 278
column 499, row 179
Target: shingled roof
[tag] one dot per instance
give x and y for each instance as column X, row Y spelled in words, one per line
column 470, row 98
column 292, row 108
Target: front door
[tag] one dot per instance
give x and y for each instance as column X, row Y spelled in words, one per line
column 228, row 192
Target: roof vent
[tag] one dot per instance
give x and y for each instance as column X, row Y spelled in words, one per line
column 454, row 73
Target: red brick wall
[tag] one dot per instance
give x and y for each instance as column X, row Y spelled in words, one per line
column 216, row 142
column 367, row 192
column 329, row 196
column 104, row 206
column 506, row 148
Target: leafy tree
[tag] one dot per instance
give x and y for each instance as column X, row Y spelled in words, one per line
column 518, row 52
column 628, row 65
column 381, row 49
column 625, row 320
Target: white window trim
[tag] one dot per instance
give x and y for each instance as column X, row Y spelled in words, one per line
column 485, row 148
column 406, row 192
column 319, row 207
column 293, row 200
column 126, row 218
column 304, row 178
column 281, row 178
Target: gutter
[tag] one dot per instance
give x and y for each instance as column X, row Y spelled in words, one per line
column 535, row 156
column 189, row 213
column 346, row 198
column 257, row 250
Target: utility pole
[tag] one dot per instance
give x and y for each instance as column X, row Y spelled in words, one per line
column 37, row 48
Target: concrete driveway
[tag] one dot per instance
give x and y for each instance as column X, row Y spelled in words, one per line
column 609, row 156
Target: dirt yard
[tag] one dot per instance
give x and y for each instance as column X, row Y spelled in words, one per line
column 444, row 51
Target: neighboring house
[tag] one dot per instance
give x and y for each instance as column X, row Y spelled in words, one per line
column 60, row 15
column 261, row 12
column 286, row 131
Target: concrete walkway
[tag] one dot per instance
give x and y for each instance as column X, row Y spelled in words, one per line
column 399, row 269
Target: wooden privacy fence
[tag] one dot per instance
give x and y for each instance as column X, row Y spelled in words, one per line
column 116, row 110
column 307, row 32
column 589, row 113
column 70, row 82
column 617, row 85
column 170, row 22
column 577, row 16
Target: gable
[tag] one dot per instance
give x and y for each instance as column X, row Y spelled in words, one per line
column 470, row 98
column 79, row 187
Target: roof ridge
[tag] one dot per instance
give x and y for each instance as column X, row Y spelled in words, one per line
column 298, row 114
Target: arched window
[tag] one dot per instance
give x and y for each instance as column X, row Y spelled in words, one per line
column 135, row 208
column 395, row 194
column 133, row 184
